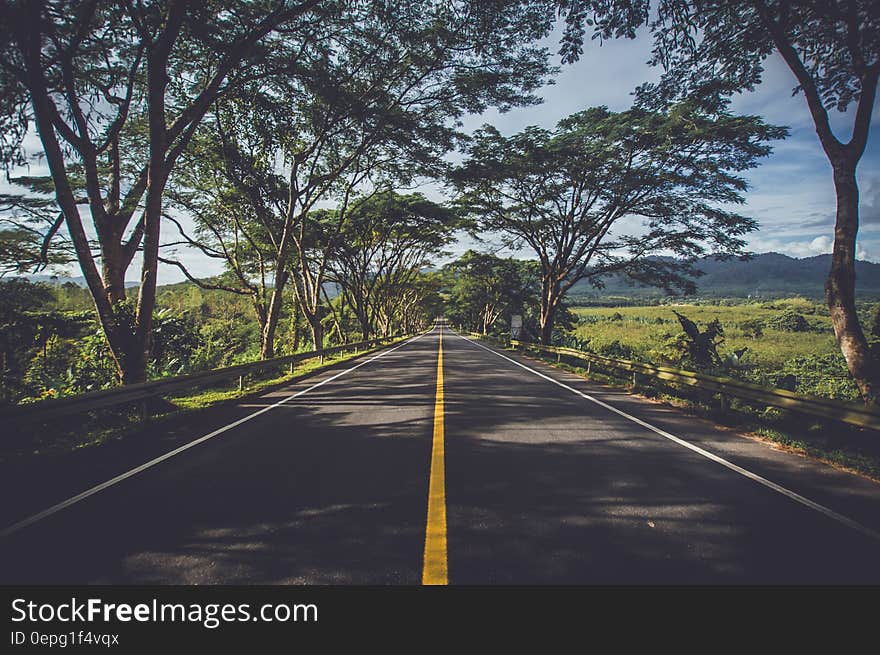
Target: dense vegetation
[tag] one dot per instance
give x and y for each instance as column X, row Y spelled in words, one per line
column 278, row 138
column 786, row 343
column 51, row 343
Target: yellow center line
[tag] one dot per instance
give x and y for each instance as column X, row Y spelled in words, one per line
column 435, row 568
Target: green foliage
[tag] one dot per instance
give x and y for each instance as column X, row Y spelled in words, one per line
column 176, row 339
column 719, row 47
column 561, row 192
column 385, row 242
column 26, row 332
column 71, row 366
column 753, row 327
column 807, row 362
column 484, row 291
column 26, row 217
column 51, row 344
column 701, row 346
column 258, row 111
column 18, row 295
column 712, row 49
column 821, row 375
column 789, row 321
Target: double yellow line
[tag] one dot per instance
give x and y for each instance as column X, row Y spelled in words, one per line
column 435, row 570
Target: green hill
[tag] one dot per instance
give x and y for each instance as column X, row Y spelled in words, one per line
column 767, row 275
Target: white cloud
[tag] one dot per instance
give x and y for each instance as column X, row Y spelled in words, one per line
column 820, row 245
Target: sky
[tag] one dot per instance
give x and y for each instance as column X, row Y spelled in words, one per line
column 791, row 192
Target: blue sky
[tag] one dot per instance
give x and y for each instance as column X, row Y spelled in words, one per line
column 791, row 194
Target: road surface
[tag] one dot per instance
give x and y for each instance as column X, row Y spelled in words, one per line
column 474, row 467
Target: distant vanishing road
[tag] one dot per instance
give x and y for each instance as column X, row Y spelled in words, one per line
column 452, row 463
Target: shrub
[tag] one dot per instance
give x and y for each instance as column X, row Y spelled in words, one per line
column 70, row 366
column 175, row 342
column 796, row 304
column 789, row 321
column 614, row 349
column 753, row 327
column 821, row 375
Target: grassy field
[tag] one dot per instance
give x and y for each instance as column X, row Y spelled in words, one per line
column 787, row 343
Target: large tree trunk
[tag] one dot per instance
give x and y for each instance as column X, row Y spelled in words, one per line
column 840, row 287
column 363, row 319
column 294, row 318
column 132, row 359
column 113, row 270
column 273, row 313
column 125, row 348
column 157, row 177
column 267, row 341
column 317, row 332
column 547, row 329
column 550, row 297
column 107, row 291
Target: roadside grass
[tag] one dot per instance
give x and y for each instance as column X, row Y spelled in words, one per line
column 787, row 343
column 645, row 329
column 209, row 397
column 849, row 449
column 102, row 427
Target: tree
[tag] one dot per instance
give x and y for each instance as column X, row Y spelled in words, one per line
column 419, row 70
column 422, row 302
column 384, row 244
column 564, row 193
column 116, row 90
column 702, row 347
column 29, row 222
column 24, row 330
column 718, row 48
column 240, row 206
column 484, row 288
column 372, row 101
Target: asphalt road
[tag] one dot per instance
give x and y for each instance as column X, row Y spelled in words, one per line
column 537, row 484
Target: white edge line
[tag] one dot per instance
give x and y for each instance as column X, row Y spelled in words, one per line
column 64, row 504
column 822, row 509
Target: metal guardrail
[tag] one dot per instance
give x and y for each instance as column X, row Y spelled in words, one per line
column 826, row 408
column 53, row 408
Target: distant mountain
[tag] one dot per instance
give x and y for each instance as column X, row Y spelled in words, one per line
column 79, row 281
column 767, row 275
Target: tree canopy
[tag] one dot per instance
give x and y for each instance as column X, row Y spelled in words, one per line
column 485, row 291
column 712, row 49
column 565, row 192
column 117, row 91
